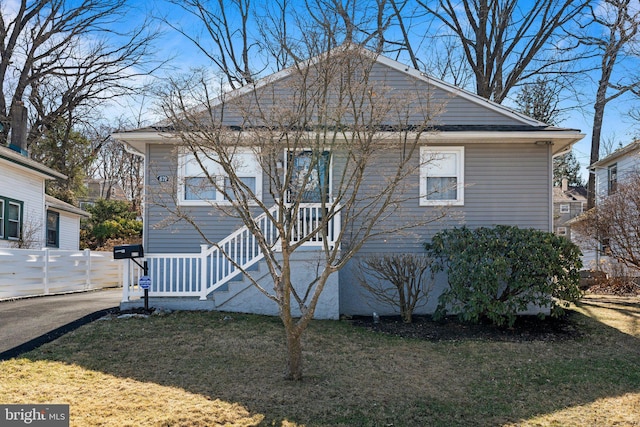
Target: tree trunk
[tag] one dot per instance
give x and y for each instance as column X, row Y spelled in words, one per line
column 294, row 354
column 595, row 144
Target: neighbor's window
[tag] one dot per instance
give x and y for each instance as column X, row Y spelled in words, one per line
column 561, row 231
column 564, row 208
column 196, row 188
column 10, row 218
column 53, row 229
column 441, row 176
column 612, row 179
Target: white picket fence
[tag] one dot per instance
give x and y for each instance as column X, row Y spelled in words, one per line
column 27, row 272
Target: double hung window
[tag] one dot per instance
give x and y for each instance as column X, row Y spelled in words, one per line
column 10, row 218
column 53, row 229
column 203, row 179
column 441, row 176
column 612, row 179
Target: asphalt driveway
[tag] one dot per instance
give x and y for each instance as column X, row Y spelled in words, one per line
column 27, row 323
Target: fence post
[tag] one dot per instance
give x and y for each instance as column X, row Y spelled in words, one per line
column 45, row 270
column 203, row 272
column 87, row 281
column 126, row 275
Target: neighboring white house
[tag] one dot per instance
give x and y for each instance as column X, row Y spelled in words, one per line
column 28, row 217
column 613, row 169
column 609, row 171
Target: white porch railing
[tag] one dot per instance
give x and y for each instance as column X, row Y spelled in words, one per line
column 199, row 274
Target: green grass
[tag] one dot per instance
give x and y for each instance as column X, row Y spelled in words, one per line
column 195, row 369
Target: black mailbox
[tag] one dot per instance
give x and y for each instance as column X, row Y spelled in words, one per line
column 128, row 252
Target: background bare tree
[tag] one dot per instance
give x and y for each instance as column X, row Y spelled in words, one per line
column 59, row 57
column 115, row 166
column 326, row 114
column 615, row 220
column 505, row 42
column 612, row 36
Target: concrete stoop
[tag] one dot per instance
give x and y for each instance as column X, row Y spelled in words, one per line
column 171, row 303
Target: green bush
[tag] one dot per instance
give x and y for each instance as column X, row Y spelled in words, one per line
column 494, row 273
column 110, row 220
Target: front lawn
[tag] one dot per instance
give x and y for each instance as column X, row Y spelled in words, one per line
column 205, row 369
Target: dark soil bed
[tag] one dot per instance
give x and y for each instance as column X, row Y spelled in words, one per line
column 526, row 328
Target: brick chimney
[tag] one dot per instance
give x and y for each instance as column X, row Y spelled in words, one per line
column 19, row 128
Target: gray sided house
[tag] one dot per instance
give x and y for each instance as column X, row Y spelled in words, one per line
column 568, row 203
column 479, row 162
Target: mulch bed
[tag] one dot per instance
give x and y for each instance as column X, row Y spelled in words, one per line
column 526, row 328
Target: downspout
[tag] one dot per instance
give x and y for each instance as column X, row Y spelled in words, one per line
column 550, row 188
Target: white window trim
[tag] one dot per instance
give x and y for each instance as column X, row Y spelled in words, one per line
column 424, row 166
column 182, row 165
column 565, row 208
column 14, row 221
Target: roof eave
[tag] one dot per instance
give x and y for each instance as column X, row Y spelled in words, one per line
column 634, row 146
column 560, row 140
column 53, row 203
column 31, row 165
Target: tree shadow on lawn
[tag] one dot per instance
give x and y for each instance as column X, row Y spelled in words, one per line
column 623, row 312
column 355, row 376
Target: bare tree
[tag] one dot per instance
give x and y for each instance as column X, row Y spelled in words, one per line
column 116, row 167
column 411, row 277
column 223, row 36
column 612, row 36
column 615, row 221
column 59, row 56
column 505, row 42
column 243, row 39
column 30, row 233
column 326, row 114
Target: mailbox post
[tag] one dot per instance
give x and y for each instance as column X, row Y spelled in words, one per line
column 132, row 252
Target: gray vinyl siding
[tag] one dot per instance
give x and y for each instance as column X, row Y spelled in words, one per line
column 446, row 107
column 455, row 109
column 180, row 236
column 505, row 184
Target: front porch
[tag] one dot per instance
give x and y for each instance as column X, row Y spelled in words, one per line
column 216, row 277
